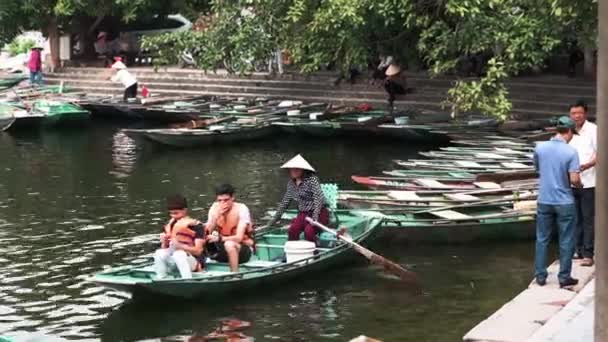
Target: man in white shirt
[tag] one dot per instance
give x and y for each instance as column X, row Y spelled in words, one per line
column 586, row 145
column 122, row 75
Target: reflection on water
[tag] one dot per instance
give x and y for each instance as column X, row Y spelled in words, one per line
column 72, row 203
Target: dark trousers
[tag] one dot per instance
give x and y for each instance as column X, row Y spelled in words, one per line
column 585, row 216
column 130, row 92
column 299, row 224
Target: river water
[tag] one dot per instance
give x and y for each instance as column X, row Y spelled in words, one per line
column 72, row 203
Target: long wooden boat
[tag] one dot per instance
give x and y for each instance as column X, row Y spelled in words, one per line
column 184, row 137
column 401, row 201
column 478, row 157
column 459, row 225
column 413, row 133
column 59, row 113
column 15, row 118
column 470, row 149
column 262, row 270
column 505, row 143
column 465, row 165
column 440, row 175
column 347, row 124
column 11, row 81
column 429, row 185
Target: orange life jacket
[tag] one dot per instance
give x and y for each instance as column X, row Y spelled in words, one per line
column 226, row 224
column 181, row 232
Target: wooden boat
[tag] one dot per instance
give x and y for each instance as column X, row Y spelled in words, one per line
column 402, row 201
column 470, row 149
column 11, row 81
column 262, row 270
column 59, row 113
column 221, row 134
column 15, row 118
column 430, row 185
column 440, row 175
column 413, row 133
column 465, row 165
column 486, row 143
column 355, row 123
column 459, row 225
column 477, row 156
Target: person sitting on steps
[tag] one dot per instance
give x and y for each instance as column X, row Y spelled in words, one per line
column 182, row 241
column 229, row 229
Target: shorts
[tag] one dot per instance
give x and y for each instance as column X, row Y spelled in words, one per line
column 218, row 252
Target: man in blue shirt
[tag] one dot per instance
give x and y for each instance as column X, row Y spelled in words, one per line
column 559, row 167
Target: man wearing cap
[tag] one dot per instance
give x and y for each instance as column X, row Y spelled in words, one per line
column 304, row 188
column 182, row 241
column 558, row 166
column 585, row 144
column 122, row 75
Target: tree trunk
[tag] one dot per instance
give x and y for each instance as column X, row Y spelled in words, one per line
column 589, row 61
column 53, row 32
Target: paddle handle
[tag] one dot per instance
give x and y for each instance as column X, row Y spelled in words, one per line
column 321, row 226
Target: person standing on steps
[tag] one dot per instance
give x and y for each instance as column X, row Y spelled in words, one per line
column 34, row 65
column 395, row 84
column 585, row 144
column 558, row 166
column 122, row 75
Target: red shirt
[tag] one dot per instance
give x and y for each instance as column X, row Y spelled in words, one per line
column 35, row 62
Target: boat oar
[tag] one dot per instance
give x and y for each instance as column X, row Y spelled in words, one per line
column 374, row 258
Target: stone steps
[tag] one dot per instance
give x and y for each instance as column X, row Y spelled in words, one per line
column 531, row 96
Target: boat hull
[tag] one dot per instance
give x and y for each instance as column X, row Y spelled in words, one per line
column 209, row 138
column 519, row 229
column 217, row 280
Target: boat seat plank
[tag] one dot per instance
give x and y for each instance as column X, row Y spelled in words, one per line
column 431, row 183
column 487, row 185
column 467, row 163
column 462, row 197
column 263, row 245
column 404, row 195
column 515, row 165
column 451, row 215
column 489, row 155
column 260, row 263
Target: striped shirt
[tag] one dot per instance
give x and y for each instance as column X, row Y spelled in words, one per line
column 308, row 195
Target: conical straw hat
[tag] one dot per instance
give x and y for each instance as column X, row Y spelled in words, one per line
column 119, row 65
column 298, row 162
column 392, row 70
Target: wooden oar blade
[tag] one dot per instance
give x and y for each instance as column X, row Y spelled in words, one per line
column 394, row 268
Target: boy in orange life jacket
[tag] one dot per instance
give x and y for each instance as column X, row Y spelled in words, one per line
column 231, row 220
column 182, row 241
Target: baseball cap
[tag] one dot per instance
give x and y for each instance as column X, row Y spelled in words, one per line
column 566, row 122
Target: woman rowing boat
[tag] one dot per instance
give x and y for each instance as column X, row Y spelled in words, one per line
column 303, row 187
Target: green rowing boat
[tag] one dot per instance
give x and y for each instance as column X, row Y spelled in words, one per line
column 404, row 201
column 263, row 269
column 11, row 81
column 59, row 113
column 460, row 225
column 440, row 175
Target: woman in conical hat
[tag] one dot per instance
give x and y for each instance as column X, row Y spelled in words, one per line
column 122, row 75
column 395, row 84
column 303, row 188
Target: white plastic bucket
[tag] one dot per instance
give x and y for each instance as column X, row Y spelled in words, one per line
column 298, row 250
column 402, row 120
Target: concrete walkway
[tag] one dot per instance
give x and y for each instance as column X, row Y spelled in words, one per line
column 529, row 313
column 574, row 323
